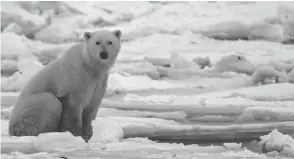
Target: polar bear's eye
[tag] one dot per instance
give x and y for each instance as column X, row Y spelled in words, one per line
column 239, row 57
column 109, row 42
column 97, row 43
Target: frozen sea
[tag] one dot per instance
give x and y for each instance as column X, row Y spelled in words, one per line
column 159, row 103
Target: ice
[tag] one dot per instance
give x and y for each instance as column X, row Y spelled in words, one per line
column 150, row 99
column 268, row 32
column 228, row 30
column 276, row 141
column 14, row 28
column 164, row 129
column 175, row 115
column 233, row 146
column 202, row 62
column 261, row 93
column 57, row 34
column 58, row 142
column 13, row 83
column 159, row 90
column 27, row 66
column 18, row 155
column 8, row 41
column 291, row 76
column 164, row 44
column 179, row 62
column 142, row 143
column 8, row 66
column 245, row 154
column 264, row 72
column 134, row 9
column 106, row 130
column 15, row 8
column 120, row 82
column 235, row 63
column 145, row 68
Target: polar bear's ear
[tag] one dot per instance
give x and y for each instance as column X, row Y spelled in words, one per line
column 87, row 36
column 117, row 33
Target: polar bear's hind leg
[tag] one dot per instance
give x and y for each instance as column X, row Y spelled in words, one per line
column 41, row 114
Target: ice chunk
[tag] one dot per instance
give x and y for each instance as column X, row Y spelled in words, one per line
column 268, row 32
column 133, row 8
column 242, row 154
column 55, row 141
column 19, row 155
column 21, row 144
column 174, row 115
column 235, row 63
column 5, row 113
column 291, row 76
column 272, row 153
column 142, row 68
column 8, row 67
column 14, row 28
column 45, row 56
column 13, row 45
column 202, row 62
column 13, row 83
column 27, row 65
column 233, row 146
column 149, row 99
column 228, row 30
column 263, row 72
column 179, row 62
column 276, row 141
column 284, row 10
column 143, row 144
column 46, row 142
column 60, row 8
column 282, row 66
column 57, row 33
column 133, row 98
column 25, row 15
column 119, row 82
column 164, row 62
column 106, row 130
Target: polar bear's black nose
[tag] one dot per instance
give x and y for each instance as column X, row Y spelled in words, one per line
column 104, row 55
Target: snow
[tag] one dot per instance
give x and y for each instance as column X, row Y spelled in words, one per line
column 233, row 146
column 30, row 144
column 60, row 141
column 269, row 32
column 106, row 131
column 57, row 34
column 15, row 28
column 231, row 30
column 276, row 141
column 159, row 87
column 131, row 82
column 8, row 41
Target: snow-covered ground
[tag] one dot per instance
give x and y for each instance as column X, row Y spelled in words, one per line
column 157, row 89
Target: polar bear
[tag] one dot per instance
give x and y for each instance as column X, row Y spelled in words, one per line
column 66, row 94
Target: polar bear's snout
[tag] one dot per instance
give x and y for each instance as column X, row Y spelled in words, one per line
column 103, row 55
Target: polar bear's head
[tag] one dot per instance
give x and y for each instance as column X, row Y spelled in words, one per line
column 102, row 47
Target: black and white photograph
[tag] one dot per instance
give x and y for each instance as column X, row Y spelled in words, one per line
column 147, row 79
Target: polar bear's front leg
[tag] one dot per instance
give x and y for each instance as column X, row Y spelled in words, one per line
column 90, row 112
column 71, row 116
column 89, row 115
